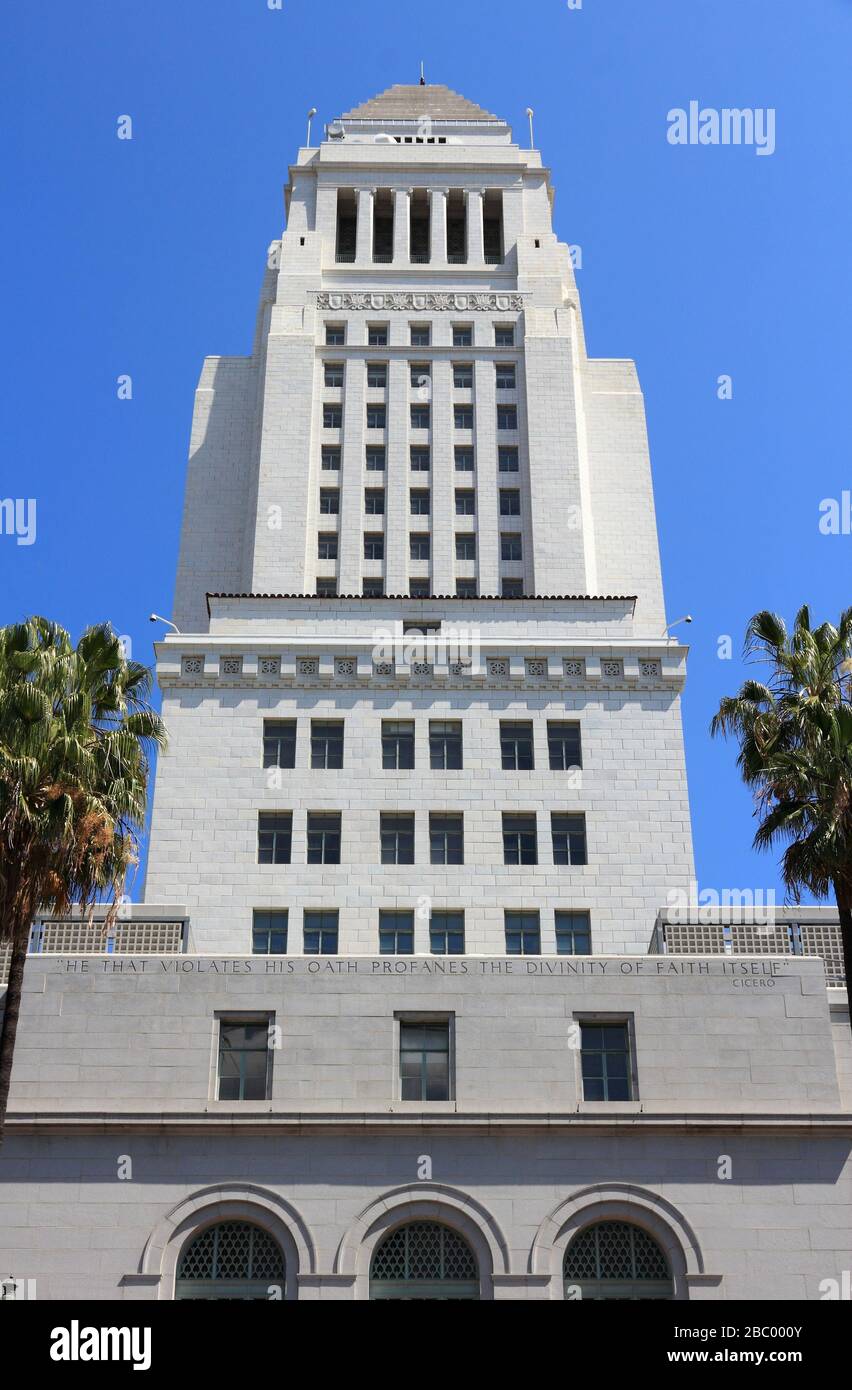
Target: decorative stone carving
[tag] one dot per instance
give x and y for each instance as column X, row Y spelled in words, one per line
column 611, row 670
column 231, row 666
column 574, row 668
column 650, row 669
column 270, row 666
column 192, row 666
column 407, row 302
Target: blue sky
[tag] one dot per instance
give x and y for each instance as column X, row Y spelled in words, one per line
column 142, row 256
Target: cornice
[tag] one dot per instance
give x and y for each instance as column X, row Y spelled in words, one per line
column 835, row 1124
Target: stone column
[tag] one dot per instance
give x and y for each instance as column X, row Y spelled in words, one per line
column 401, row 226
column 364, row 239
column 438, row 227
column 475, row 230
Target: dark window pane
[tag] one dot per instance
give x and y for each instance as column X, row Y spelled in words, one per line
column 516, row 746
column 279, row 743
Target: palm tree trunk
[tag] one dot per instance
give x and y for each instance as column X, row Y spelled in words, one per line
column 11, row 1013
column 843, row 898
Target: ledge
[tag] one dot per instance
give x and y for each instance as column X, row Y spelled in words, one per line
column 832, row 1124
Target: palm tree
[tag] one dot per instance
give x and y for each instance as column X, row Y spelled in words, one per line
column 76, row 732
column 795, row 737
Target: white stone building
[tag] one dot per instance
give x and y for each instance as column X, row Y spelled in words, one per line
column 425, row 815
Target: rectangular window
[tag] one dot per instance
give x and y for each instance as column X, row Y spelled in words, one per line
column 326, row 588
column 332, row 417
column 377, row 335
column 419, row 501
column 445, row 745
column 463, row 376
column 335, row 335
column 519, row 839
column 396, row 933
column 374, row 501
column 573, row 934
column 374, row 545
column 464, row 460
column 511, row 588
column 418, row 588
column 510, row 502
column 569, row 838
column 463, row 417
column 516, row 746
column 331, row 459
column 420, row 459
column 327, row 743
column 507, row 417
column 446, row 934
column 320, row 934
column 329, row 501
column 465, row 588
column 245, row 1059
column 377, row 375
column 446, row 838
column 323, row 837
column 376, row 416
column 420, row 374
column 269, row 934
column 375, row 459
column 523, row 934
column 605, row 1061
column 424, row 1061
column 372, row 588
column 397, row 745
column 333, row 374
column 327, row 545
column 421, row 335
column 397, row 837
column 504, row 335
column 420, row 417
column 279, row 743
column 507, row 459
column 466, row 547
column 419, row 545
column 274, row 837
column 506, row 380
column 563, row 746
column 462, row 335
column 511, row 546
column 465, row 502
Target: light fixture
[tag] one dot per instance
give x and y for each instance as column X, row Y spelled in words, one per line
column 156, row 618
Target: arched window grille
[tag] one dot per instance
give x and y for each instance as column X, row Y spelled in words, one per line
column 231, row 1260
column 424, row 1259
column 614, row 1259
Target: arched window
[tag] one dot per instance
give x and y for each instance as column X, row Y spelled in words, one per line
column 424, row 1260
column 232, row 1260
column 613, row 1259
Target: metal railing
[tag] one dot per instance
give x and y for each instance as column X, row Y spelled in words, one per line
column 73, row 936
column 821, row 939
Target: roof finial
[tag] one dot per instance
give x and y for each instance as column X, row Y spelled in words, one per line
column 422, row 75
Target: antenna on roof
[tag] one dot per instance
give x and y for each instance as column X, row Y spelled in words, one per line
column 422, row 76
